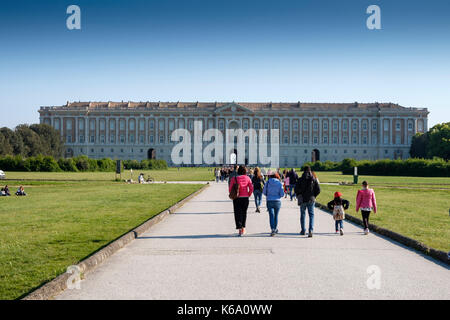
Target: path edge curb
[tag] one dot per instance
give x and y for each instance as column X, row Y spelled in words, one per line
column 59, row 284
column 409, row 242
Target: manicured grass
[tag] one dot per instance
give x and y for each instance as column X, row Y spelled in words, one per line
column 171, row 174
column 419, row 214
column 58, row 225
column 386, row 180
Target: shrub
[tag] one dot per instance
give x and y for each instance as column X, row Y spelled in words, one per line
column 106, row 165
column 82, row 163
column 67, row 165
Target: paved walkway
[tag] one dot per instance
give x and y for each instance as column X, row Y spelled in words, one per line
column 194, row 254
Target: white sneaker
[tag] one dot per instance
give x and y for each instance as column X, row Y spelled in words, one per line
column 366, row 231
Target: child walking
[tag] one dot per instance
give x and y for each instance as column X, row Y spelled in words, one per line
column 366, row 201
column 338, row 205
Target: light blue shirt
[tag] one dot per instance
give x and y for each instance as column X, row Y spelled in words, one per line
column 273, row 190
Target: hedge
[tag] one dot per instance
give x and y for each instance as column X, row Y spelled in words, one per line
column 76, row 164
column 150, row 164
column 410, row 167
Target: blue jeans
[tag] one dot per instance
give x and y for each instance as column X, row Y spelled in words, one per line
column 310, row 206
column 274, row 209
column 291, row 189
column 258, row 197
column 339, row 224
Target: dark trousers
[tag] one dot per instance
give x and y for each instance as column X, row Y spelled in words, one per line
column 365, row 216
column 240, row 206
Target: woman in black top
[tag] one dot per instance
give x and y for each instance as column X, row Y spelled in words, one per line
column 258, row 185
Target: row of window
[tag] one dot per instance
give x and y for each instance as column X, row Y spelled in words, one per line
column 245, row 124
column 345, row 140
column 102, row 150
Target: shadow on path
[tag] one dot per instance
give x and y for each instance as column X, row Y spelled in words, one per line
column 200, row 213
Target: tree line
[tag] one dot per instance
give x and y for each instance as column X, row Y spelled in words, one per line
column 434, row 143
column 31, row 140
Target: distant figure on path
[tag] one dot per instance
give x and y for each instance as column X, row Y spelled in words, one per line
column 338, row 205
column 273, row 190
column 217, row 174
column 293, row 177
column 234, row 173
column 307, row 189
column 240, row 204
column 258, row 186
column 285, row 183
column 365, row 200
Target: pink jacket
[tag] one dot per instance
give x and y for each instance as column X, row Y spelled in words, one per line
column 245, row 185
column 365, row 198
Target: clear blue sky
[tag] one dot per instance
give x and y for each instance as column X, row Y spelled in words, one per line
column 217, row 50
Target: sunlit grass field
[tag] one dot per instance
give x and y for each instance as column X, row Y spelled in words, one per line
column 171, row 174
column 68, row 216
column 58, row 225
column 387, row 180
column 421, row 214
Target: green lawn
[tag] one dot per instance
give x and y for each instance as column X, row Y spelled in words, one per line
column 421, row 214
column 387, row 180
column 58, row 225
column 171, row 174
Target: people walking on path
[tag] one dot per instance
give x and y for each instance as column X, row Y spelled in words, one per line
column 234, row 173
column 273, row 190
column 240, row 204
column 293, row 177
column 338, row 205
column 285, row 184
column 217, row 174
column 258, row 186
column 366, row 201
column 307, row 189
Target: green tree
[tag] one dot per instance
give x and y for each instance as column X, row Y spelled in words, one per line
column 5, row 147
column 14, row 140
column 439, row 141
column 32, row 142
column 51, row 140
column 419, row 146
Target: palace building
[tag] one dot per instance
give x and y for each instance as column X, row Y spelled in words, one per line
column 308, row 131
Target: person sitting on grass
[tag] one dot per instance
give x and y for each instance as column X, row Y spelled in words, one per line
column 5, row 191
column 338, row 205
column 21, row 191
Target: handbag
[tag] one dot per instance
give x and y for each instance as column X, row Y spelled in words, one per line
column 299, row 199
column 234, row 192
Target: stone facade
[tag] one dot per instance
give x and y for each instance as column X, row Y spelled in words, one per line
column 308, row 131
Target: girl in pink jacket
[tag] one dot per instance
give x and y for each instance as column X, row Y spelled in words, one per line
column 365, row 200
